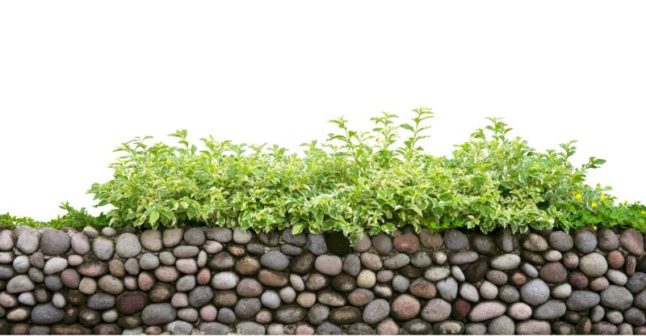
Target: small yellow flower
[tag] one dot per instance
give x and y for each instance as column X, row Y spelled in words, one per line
column 603, row 196
column 594, row 204
column 578, row 196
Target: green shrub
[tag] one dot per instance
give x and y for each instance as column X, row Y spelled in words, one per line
column 359, row 181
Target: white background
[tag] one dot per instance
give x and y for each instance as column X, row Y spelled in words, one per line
column 77, row 78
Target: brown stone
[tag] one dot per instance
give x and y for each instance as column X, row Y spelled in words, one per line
column 616, row 259
column 553, row 272
column 476, row 271
column 316, row 281
column 93, row 269
column 406, row 243
column 236, row 250
column 432, row 240
column 578, row 280
column 106, row 329
column 272, row 278
column 131, row 302
column 247, row 266
column 532, row 257
column 423, row 288
column 345, row 315
column 74, row 329
column 632, row 241
column 411, row 271
column 461, row 308
column 518, row 278
column 570, row 260
column 631, row 265
column 161, row 292
column 360, row 297
column 146, row 281
column 117, row 268
column 405, row 307
column 225, row 298
column 203, row 276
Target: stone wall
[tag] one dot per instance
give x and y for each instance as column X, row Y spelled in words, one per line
column 212, row 281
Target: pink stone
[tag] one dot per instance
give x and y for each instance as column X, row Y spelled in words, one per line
column 208, row 313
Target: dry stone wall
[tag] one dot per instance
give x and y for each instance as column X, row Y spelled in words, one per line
column 218, row 281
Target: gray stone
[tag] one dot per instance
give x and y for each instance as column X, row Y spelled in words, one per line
column 436, row 310
column 200, row 296
column 550, row 310
column 46, row 314
column 21, row 264
column 484, row 244
column 421, row 260
column 607, row 240
column 640, row 300
column 455, row 240
column 535, row 243
column 287, row 294
column 55, row 265
column 194, row 236
column 221, row 235
column 327, row 328
column 635, row 316
column 296, row 240
column 185, row 283
column 488, row 290
column 400, row 283
column 100, row 301
column 487, row 310
column 27, row 241
column 80, row 243
column 328, row 264
column 561, row 241
column 270, row 299
column 382, row 243
column 19, row 284
column 318, row 313
column 398, row 261
column 158, row 313
column 533, row 327
column 502, row 325
column 585, row 241
column 247, row 308
column 151, row 240
column 316, row 244
column 520, row 311
column 213, row 328
column 224, row 280
column 530, row 270
column 275, row 260
column 352, row 264
column 6, row 240
column 464, row 257
column 54, row 242
column 475, row 329
column 616, row 297
column 457, row 273
column 148, row 261
column 289, row 314
column 562, row 291
column 593, row 265
column 437, row 273
column 469, row 292
column 179, row 328
column 637, row 282
column 185, row 251
column 128, row 245
column 448, row 289
column 582, row 300
column 363, row 244
column 506, row 262
column 617, row 277
column 103, row 248
column 376, row 311
column 535, row 292
column 241, row 236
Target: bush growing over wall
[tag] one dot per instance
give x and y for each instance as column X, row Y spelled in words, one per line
column 356, row 181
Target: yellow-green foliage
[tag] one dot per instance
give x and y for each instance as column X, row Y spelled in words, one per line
column 372, row 181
